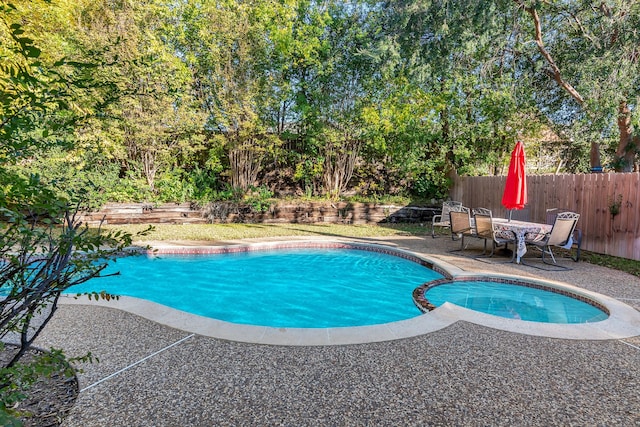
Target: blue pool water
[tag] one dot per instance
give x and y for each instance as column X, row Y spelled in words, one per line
column 302, row 288
column 516, row 302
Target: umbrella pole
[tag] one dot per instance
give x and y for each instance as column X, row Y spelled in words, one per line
column 510, row 212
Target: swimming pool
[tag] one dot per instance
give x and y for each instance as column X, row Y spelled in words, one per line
column 623, row 320
column 286, row 288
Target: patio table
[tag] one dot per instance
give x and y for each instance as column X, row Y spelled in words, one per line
column 505, row 228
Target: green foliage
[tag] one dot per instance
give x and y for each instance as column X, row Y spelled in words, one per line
column 308, row 171
column 17, row 379
column 129, row 188
column 71, row 174
column 259, row 199
column 45, row 250
column 203, row 184
column 183, row 99
column 595, row 51
column 43, row 246
column 615, row 204
column 431, row 186
column 228, row 194
column 171, row 187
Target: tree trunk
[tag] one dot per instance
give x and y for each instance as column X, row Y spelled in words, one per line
column 246, row 164
column 594, row 157
column 150, row 168
column 628, row 144
column 339, row 165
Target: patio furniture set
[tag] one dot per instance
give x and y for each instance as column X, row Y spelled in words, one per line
column 479, row 223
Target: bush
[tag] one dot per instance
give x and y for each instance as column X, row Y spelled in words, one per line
column 258, row 198
column 431, row 186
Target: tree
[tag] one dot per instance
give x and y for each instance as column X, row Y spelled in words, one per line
column 590, row 51
column 156, row 122
column 232, row 80
column 302, row 52
column 43, row 247
column 451, row 97
column 337, row 94
column 387, row 95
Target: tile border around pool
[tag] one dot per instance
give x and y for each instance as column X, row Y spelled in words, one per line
column 254, row 247
column 623, row 321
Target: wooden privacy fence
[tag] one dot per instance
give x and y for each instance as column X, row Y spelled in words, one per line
column 607, row 204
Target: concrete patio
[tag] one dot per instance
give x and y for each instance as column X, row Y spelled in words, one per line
column 464, row 374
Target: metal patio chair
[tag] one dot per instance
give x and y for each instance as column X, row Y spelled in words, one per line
column 577, row 233
column 460, row 224
column 523, row 214
column 442, row 220
column 485, row 230
column 560, row 235
column 482, row 211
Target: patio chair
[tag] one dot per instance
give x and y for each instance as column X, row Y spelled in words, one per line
column 442, row 220
column 560, row 235
column 481, row 211
column 523, row 214
column 485, row 230
column 577, row 233
column 460, row 224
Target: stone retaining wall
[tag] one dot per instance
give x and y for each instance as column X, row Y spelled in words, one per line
column 281, row 212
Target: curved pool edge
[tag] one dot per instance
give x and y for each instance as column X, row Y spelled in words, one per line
column 623, row 320
column 205, row 326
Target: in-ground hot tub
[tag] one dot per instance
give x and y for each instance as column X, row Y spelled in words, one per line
column 512, row 299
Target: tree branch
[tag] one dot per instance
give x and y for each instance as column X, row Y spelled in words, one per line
column 555, row 70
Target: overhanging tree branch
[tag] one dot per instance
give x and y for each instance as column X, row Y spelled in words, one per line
column 555, row 70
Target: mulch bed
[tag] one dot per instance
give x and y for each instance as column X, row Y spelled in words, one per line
column 50, row 399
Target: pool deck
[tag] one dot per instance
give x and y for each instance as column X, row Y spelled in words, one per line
column 458, row 373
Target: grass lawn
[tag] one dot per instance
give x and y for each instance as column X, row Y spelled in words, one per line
column 213, row 232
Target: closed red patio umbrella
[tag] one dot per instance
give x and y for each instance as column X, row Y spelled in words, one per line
column 515, row 189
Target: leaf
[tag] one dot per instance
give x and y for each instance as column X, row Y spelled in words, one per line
column 24, row 41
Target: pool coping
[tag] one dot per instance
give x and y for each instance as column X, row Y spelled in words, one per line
column 623, row 320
